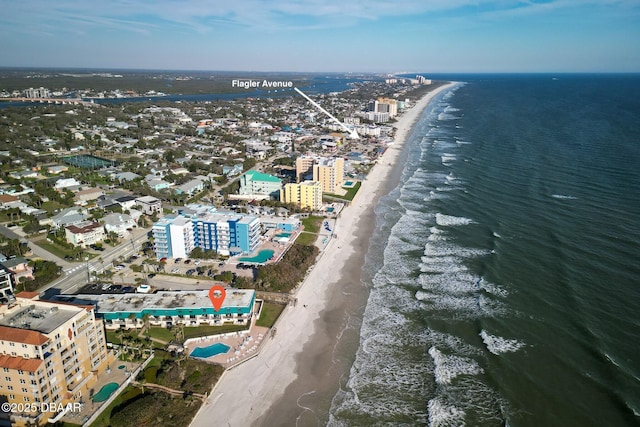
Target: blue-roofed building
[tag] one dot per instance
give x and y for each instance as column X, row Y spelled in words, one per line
column 166, row 309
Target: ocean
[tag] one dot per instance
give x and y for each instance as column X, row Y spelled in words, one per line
column 504, row 274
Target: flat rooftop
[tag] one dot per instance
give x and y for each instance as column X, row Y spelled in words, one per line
column 42, row 317
column 113, row 303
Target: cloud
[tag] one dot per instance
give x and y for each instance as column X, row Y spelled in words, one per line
column 202, row 16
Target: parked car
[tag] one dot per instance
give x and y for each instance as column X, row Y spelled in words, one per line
column 175, row 270
column 119, row 267
column 143, row 289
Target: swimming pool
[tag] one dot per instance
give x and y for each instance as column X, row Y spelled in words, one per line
column 262, row 257
column 283, row 235
column 105, row 392
column 211, row 350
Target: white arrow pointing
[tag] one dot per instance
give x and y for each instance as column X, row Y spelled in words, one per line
column 352, row 133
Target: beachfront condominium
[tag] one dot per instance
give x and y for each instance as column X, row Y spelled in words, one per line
column 167, row 309
column 306, row 195
column 304, row 167
column 173, row 237
column 257, row 184
column 329, row 172
column 225, row 233
column 51, row 354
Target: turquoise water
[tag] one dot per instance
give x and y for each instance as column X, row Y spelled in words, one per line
column 209, row 351
column 105, row 392
column 283, row 235
column 329, row 209
column 263, row 256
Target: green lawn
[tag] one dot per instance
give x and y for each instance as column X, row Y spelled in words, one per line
column 312, row 224
column 201, row 331
column 270, row 313
column 351, row 192
column 57, row 250
column 306, row 238
column 160, row 333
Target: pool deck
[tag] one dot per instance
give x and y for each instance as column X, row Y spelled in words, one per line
column 243, row 345
column 114, row 376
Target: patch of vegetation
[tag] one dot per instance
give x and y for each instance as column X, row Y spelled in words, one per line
column 270, row 313
column 155, row 409
column 189, row 375
column 285, row 275
column 307, row 239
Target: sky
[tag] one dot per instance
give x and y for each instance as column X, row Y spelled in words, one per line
column 439, row 36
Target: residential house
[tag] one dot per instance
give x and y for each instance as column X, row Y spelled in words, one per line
column 8, row 201
column 23, row 174
column 69, row 216
column 127, row 202
column 84, row 196
column 125, row 176
column 6, row 285
column 19, row 268
column 118, row 223
column 191, row 187
column 149, row 205
column 67, row 184
column 55, row 170
column 85, row 233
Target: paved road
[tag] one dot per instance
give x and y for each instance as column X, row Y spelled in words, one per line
column 77, row 276
column 37, row 250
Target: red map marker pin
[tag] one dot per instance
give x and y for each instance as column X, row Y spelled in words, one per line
column 216, row 295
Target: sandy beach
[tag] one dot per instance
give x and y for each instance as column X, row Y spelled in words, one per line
column 298, row 370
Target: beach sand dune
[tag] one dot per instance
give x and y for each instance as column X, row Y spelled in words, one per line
column 297, row 371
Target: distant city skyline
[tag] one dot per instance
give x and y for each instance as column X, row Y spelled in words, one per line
column 439, row 36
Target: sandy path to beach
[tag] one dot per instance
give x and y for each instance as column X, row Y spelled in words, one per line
column 247, row 392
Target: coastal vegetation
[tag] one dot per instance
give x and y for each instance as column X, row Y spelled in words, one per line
column 287, row 274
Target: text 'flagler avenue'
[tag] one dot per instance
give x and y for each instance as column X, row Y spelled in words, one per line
column 270, row 84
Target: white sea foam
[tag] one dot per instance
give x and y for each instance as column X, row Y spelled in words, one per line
column 448, row 367
column 563, row 197
column 450, row 220
column 498, row 345
column 443, row 415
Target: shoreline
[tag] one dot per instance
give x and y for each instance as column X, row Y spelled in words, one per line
column 268, row 389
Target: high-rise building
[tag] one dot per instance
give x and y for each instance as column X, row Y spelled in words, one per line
column 304, row 167
column 225, row 233
column 51, row 354
column 330, row 173
column 307, row 194
column 173, row 237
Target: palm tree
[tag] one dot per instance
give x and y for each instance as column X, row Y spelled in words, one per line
column 146, row 318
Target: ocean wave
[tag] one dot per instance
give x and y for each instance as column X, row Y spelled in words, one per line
column 449, row 367
column 563, row 197
column 443, row 415
column 498, row 345
column 450, row 220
